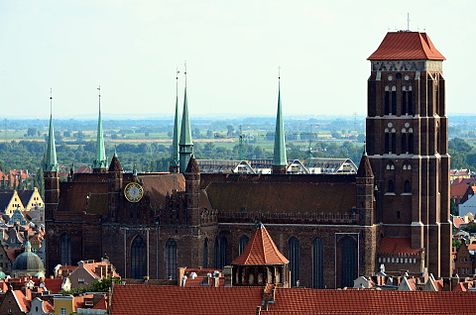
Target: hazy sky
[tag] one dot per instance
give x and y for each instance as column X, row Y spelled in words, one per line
column 232, row 48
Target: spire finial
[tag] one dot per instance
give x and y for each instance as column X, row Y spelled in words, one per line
column 185, row 71
column 177, row 72
column 99, row 97
column 51, row 102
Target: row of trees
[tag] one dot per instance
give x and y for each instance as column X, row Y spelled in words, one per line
column 155, row 156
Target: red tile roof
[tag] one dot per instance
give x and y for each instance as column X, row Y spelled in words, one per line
column 47, row 307
column 406, row 46
column 22, row 301
column 261, row 250
column 397, row 246
column 173, row 300
column 458, row 189
column 316, row 302
column 101, row 304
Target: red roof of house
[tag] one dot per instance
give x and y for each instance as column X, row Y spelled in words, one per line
column 405, row 45
column 173, row 300
column 261, row 250
column 317, row 302
column 47, row 307
column 458, row 189
column 397, row 246
column 101, row 304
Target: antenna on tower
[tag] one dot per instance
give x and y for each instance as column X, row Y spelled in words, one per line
column 408, row 21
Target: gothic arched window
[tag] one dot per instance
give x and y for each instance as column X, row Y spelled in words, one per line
column 348, row 261
column 65, row 249
column 171, row 259
column 205, row 253
column 243, row 241
column 407, row 187
column 317, row 264
column 221, row 247
column 294, row 259
column 390, row 186
column 138, row 258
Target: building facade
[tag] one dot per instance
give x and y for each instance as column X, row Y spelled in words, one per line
column 332, row 228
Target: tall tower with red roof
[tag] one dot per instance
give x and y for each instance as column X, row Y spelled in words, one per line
column 407, row 145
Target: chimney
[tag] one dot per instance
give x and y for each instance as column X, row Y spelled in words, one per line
column 180, row 273
column 228, row 274
column 258, row 310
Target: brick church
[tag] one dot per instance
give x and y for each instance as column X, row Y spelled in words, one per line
column 331, row 228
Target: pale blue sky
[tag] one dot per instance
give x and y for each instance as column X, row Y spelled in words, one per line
column 232, row 48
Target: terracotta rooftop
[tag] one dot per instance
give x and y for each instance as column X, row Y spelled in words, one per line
column 405, row 45
column 397, row 246
column 261, row 250
column 317, row 302
column 173, row 300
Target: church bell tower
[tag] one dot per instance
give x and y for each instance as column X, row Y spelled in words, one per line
column 407, row 145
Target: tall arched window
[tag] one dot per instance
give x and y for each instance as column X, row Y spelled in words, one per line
column 138, row 258
column 294, row 258
column 386, row 101
column 390, row 139
column 65, row 249
column 205, row 253
column 348, row 263
column 317, row 264
column 243, row 241
column 407, row 187
column 394, row 100
column 390, row 186
column 171, row 259
column 221, row 247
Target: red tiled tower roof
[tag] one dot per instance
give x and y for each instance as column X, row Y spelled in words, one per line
column 405, row 45
column 261, row 250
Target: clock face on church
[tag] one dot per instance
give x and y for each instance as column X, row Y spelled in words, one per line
column 133, row 192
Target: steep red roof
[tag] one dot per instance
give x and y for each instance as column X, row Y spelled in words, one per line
column 316, row 302
column 405, row 45
column 397, row 246
column 261, row 250
column 173, row 300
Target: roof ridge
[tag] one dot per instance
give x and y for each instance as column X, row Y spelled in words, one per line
column 421, row 44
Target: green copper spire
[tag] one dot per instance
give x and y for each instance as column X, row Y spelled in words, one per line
column 279, row 159
column 100, row 162
column 51, row 163
column 175, row 157
column 186, row 144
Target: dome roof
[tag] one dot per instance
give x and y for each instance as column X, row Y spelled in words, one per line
column 28, row 262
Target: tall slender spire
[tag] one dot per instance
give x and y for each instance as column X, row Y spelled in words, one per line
column 279, row 160
column 100, row 161
column 175, row 157
column 186, row 144
column 51, row 163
